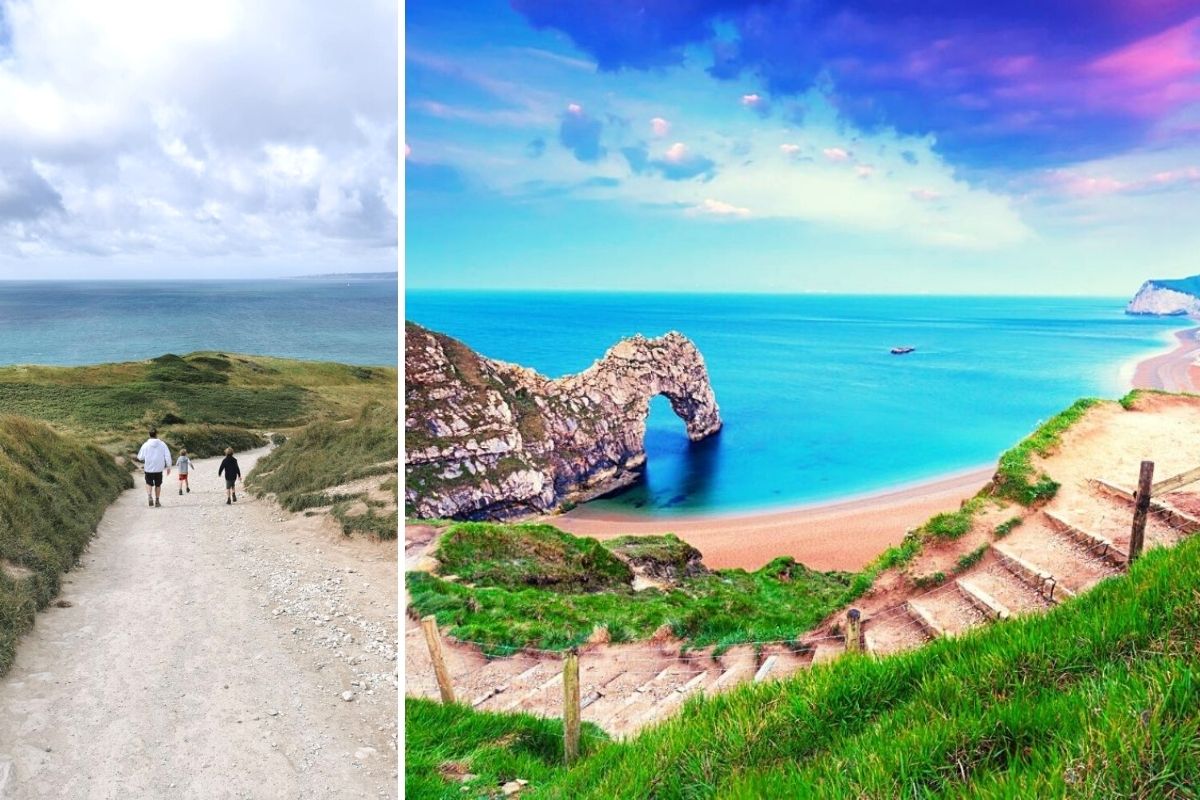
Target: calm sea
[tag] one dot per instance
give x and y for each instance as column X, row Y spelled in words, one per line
column 815, row 407
column 85, row 322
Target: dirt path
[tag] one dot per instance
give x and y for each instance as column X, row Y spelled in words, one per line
column 204, row 654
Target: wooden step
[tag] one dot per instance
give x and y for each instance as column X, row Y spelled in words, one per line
column 1092, row 542
column 1042, row 582
column 828, row 650
column 1007, row 589
column 983, row 601
column 668, row 704
column 892, row 632
column 952, row 613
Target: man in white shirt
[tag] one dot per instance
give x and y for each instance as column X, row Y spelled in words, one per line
column 156, row 459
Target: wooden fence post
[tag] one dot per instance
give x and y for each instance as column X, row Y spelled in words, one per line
column 1140, row 510
column 429, row 625
column 571, row 706
column 853, row 635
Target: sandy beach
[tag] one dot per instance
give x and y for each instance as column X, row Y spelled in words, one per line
column 842, row 535
column 1176, row 371
column 848, row 534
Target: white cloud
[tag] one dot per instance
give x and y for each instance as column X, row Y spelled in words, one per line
column 836, row 154
column 660, row 126
column 190, row 129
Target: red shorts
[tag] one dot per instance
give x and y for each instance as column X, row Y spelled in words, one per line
column 183, row 476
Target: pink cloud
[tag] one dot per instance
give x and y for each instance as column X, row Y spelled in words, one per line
column 660, row 126
column 1099, row 185
column 836, row 154
column 718, row 208
column 864, row 170
column 575, row 108
column 676, row 153
column 751, row 100
column 789, row 149
column 924, row 195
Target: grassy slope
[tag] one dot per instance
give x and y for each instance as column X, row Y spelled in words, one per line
column 53, row 492
column 495, row 748
column 528, row 593
column 1098, row 698
column 114, row 403
column 326, row 454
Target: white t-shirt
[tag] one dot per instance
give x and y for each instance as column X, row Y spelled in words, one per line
column 155, row 455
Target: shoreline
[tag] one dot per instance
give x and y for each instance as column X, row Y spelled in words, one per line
column 866, row 526
column 847, row 534
column 1176, row 370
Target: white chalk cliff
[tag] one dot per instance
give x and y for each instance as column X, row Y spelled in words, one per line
column 1167, row 298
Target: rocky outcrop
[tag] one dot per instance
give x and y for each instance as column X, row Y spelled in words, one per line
column 485, row 439
column 1167, row 298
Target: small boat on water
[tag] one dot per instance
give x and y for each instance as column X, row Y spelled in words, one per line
column 902, row 351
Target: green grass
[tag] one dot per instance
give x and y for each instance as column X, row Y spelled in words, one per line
column 520, row 556
column 537, row 586
column 327, row 454
column 115, row 403
column 968, row 560
column 1016, row 478
column 442, row 742
column 53, row 491
column 204, row 441
column 1096, row 698
column 1006, row 527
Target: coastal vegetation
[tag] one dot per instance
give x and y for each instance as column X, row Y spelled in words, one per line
column 328, row 463
column 449, row 750
column 1017, row 478
column 514, row 586
column 194, row 398
column 1095, row 698
column 53, row 491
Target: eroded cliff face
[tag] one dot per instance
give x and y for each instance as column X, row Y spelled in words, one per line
column 1167, row 298
column 489, row 440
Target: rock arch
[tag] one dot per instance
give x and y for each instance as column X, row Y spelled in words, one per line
column 490, row 440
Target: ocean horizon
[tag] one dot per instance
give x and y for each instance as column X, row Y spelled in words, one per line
column 349, row 318
column 816, row 408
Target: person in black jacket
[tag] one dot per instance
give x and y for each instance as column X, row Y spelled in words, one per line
column 230, row 469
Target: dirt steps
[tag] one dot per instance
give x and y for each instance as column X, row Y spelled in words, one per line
column 1007, row 590
column 893, row 631
column 946, row 612
column 1071, row 566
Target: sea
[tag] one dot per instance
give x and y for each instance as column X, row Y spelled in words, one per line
column 351, row 319
column 815, row 406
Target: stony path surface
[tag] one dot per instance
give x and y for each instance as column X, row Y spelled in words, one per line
column 206, row 652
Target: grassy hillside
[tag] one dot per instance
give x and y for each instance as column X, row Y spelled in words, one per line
column 453, row 752
column 307, row 470
column 53, row 491
column 184, row 395
column 534, row 585
column 1099, row 698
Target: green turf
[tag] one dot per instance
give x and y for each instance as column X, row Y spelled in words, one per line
column 533, row 585
column 53, row 491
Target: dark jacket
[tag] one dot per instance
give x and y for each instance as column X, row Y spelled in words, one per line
column 229, row 468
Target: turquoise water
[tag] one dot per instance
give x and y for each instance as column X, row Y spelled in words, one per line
column 815, row 407
column 85, row 322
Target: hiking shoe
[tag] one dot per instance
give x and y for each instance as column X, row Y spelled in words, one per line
column 181, row 491
column 150, row 500
column 228, row 501
column 235, row 497
column 157, row 504
column 189, row 489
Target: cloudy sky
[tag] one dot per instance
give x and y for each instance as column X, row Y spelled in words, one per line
column 1036, row 146
column 176, row 139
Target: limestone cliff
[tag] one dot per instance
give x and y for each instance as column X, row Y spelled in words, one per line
column 485, row 439
column 1167, row 298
